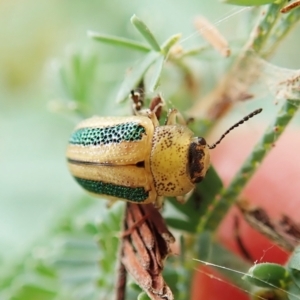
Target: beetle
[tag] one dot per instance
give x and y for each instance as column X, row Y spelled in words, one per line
column 135, row 159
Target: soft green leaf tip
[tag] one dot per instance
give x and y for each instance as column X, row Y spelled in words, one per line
column 294, row 262
column 143, row 296
column 118, row 41
column 169, row 43
column 146, row 33
column 268, row 275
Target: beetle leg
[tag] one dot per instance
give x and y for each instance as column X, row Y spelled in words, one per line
column 180, row 199
column 159, row 202
column 171, row 118
column 156, row 105
column 110, row 203
column 151, row 115
column 137, row 97
column 183, row 199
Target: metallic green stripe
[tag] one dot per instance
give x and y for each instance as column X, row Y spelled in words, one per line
column 89, row 163
column 137, row 194
column 89, row 136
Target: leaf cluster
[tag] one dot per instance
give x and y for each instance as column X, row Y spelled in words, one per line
column 77, row 259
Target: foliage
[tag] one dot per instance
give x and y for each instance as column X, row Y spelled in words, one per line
column 77, row 259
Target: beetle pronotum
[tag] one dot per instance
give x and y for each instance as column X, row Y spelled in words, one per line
column 135, row 159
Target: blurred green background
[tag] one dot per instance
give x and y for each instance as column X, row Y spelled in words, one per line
column 35, row 37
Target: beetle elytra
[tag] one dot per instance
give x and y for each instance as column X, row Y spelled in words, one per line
column 135, row 159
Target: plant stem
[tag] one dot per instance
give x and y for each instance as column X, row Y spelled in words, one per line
column 227, row 197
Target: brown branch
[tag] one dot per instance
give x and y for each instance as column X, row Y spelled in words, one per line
column 283, row 232
column 144, row 249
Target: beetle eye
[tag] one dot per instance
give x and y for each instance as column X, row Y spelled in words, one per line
column 201, row 141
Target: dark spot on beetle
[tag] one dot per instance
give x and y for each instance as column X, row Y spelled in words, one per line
column 171, row 186
column 182, row 173
column 195, row 165
column 198, row 179
column 141, row 164
column 201, row 141
column 168, row 142
column 160, row 185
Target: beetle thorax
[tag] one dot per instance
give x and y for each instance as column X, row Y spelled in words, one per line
column 169, row 160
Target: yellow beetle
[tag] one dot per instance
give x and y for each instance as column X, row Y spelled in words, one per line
column 135, row 159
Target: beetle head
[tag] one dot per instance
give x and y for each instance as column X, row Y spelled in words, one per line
column 198, row 159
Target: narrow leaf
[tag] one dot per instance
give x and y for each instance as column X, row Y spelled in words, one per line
column 169, row 43
column 135, row 75
column 268, row 275
column 181, row 224
column 118, row 41
column 294, row 262
column 157, row 69
column 146, row 33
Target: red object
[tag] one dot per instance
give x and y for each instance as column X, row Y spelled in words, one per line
column 274, row 187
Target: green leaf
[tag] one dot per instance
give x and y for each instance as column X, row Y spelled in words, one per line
column 169, row 43
column 195, row 51
column 71, row 265
column 197, row 204
column 143, row 296
column 146, row 33
column 268, row 275
column 204, row 246
column 282, row 28
column 172, row 277
column 294, row 291
column 294, row 268
column 221, row 259
column 184, row 225
column 35, row 292
column 77, row 75
column 207, row 190
column 294, row 262
column 264, row 28
column 118, row 41
column 155, row 76
column 136, row 74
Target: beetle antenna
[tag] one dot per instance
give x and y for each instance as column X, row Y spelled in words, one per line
column 254, row 113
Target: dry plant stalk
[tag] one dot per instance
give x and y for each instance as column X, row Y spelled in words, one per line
column 233, row 87
column 284, row 232
column 212, row 35
column 290, row 6
column 145, row 244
